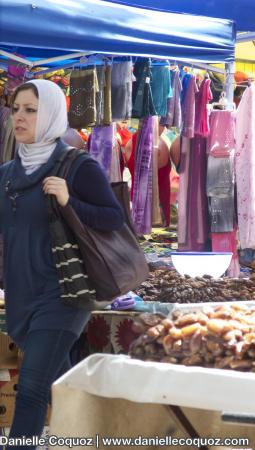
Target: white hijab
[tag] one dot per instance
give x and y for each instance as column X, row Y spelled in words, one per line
column 51, row 124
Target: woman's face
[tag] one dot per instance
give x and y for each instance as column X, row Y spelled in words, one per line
column 24, row 116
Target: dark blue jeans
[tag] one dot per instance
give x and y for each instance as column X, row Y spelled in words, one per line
column 46, row 357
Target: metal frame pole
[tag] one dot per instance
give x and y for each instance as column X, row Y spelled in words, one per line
column 229, row 87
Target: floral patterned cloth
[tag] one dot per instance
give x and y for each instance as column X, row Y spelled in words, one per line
column 245, row 168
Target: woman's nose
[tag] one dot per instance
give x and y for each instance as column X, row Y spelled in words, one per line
column 19, row 115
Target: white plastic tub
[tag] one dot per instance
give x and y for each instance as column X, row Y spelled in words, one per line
column 201, row 263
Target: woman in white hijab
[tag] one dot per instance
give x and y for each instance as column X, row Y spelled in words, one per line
column 38, row 322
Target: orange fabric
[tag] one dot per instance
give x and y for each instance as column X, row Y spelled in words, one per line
column 241, row 76
column 67, row 103
column 83, row 136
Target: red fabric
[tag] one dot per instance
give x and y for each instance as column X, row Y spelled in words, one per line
column 165, row 191
column 131, row 163
column 163, row 181
column 125, row 136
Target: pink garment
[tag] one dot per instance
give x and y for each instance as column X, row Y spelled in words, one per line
column 227, row 242
column 221, row 141
column 245, row 168
column 201, row 114
column 188, row 109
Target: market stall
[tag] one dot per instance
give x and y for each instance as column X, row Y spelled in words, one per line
column 96, row 382
column 99, row 29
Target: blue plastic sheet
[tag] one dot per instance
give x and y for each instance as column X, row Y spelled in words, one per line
column 45, row 28
column 240, row 11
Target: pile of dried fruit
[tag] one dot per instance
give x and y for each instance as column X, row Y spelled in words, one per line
column 168, row 286
column 221, row 337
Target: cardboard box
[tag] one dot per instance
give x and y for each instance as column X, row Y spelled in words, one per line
column 8, row 352
column 8, row 387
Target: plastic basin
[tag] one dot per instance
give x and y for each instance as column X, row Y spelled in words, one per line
column 197, row 264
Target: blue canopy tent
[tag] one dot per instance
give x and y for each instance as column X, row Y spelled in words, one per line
column 240, row 11
column 50, row 29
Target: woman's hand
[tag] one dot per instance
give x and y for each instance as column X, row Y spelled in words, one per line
column 58, row 187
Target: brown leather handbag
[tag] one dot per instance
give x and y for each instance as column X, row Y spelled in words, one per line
column 99, row 264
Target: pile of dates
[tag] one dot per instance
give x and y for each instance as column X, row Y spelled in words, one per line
column 222, row 337
column 168, row 286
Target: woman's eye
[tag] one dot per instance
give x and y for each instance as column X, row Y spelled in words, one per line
column 14, row 109
column 30, row 110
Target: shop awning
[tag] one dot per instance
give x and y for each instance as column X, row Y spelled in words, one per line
column 240, row 11
column 45, row 28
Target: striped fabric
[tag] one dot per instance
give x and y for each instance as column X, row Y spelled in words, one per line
column 73, row 280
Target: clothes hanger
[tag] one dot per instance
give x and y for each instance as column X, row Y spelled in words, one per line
column 223, row 104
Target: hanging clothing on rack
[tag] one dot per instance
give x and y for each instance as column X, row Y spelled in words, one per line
column 115, row 168
column 121, row 90
column 203, row 97
column 245, row 168
column 100, row 95
column 174, row 113
column 161, row 88
column 156, row 216
column 100, row 146
column 108, row 96
column 141, row 95
column 142, row 196
column 221, row 140
column 188, row 105
column 83, row 89
column 220, row 192
column 193, row 216
column 220, row 177
column 227, row 242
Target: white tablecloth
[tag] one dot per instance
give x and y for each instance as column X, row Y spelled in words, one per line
column 118, row 376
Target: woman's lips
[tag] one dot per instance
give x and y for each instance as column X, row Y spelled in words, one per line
column 20, row 129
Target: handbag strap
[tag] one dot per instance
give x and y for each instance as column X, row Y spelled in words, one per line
column 61, row 170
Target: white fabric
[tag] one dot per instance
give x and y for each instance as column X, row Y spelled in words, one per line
column 245, row 168
column 51, row 124
column 118, row 376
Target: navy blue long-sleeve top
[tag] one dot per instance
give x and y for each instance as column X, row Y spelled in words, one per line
column 93, row 190
column 30, row 278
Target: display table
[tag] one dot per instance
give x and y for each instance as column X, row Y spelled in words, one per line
column 107, row 378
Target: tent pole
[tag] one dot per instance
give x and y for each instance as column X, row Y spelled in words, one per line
column 245, row 37
column 16, row 58
column 198, row 65
column 229, row 87
column 42, row 62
